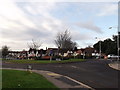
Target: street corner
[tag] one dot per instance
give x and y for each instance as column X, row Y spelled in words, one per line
column 115, row 65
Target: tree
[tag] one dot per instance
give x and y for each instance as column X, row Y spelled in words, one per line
column 115, row 38
column 108, row 46
column 5, row 51
column 63, row 41
column 34, row 44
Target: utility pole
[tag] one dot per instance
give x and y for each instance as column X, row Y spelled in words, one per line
column 118, row 42
column 99, row 46
column 118, row 30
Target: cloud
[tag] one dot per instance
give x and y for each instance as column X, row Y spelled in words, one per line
column 108, row 9
column 21, row 22
column 89, row 26
column 79, row 36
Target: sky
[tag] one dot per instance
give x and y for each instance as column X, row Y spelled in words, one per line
column 22, row 21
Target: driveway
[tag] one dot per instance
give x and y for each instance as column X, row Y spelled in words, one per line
column 94, row 73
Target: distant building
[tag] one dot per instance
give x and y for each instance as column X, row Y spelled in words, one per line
column 36, row 53
column 52, row 52
column 17, row 55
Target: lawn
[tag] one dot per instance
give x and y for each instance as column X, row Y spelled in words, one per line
column 44, row 61
column 24, row 79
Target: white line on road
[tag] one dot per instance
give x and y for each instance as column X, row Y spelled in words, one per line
column 74, row 66
column 79, row 82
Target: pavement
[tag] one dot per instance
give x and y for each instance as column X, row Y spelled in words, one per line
column 61, row 81
column 115, row 65
column 92, row 73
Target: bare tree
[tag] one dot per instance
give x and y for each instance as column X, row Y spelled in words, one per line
column 34, row 44
column 63, row 40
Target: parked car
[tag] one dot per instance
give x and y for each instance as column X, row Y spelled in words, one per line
column 112, row 56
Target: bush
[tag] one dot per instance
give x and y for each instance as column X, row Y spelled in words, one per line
column 66, row 58
column 79, row 56
column 60, row 57
column 57, row 56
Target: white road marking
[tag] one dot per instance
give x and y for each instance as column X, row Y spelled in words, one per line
column 74, row 66
column 79, row 82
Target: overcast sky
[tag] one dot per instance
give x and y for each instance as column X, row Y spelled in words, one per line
column 21, row 21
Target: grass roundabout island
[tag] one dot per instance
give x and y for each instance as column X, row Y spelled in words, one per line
column 24, row 79
column 43, row 61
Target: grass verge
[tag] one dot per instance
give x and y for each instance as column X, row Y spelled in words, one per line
column 24, row 79
column 44, row 61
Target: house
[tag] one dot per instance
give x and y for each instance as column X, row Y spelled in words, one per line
column 33, row 53
column 23, row 55
column 17, row 55
column 79, row 52
column 13, row 55
column 52, row 51
column 59, row 51
column 89, row 52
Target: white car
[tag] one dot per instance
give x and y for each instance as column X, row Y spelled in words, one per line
column 112, row 56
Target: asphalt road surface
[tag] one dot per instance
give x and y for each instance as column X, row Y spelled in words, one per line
column 94, row 73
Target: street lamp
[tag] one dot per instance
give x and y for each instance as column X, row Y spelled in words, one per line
column 99, row 46
column 118, row 46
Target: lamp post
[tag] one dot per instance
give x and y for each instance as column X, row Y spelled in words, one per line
column 118, row 42
column 99, row 46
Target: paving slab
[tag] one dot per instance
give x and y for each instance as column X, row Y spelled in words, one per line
column 115, row 65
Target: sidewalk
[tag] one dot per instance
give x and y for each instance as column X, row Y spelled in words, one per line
column 62, row 82
column 115, row 65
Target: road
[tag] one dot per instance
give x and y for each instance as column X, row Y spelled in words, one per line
column 94, row 73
